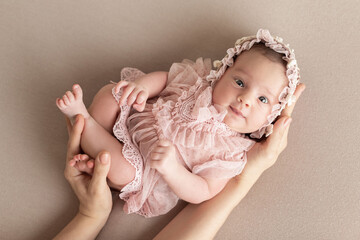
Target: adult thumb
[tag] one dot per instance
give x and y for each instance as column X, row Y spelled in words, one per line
column 102, row 167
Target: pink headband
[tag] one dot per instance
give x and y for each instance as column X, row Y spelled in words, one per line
column 292, row 72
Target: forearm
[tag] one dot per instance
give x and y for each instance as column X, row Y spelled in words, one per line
column 82, row 227
column 188, row 186
column 154, row 82
column 203, row 221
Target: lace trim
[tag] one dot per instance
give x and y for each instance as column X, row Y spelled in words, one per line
column 184, row 107
column 129, row 151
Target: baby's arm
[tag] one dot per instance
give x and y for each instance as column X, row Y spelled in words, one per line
column 154, row 82
column 186, row 185
column 193, row 188
column 138, row 91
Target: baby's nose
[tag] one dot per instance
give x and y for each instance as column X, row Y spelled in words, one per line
column 244, row 100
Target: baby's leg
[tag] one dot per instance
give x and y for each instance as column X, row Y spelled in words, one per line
column 104, row 108
column 95, row 138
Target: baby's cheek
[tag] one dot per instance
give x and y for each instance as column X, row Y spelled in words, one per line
column 263, row 117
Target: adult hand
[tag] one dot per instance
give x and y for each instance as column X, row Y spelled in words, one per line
column 265, row 153
column 93, row 191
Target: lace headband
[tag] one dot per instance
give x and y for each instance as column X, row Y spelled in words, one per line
column 292, row 72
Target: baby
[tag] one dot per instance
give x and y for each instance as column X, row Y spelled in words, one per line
column 188, row 130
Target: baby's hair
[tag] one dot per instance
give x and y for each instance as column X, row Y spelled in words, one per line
column 267, row 52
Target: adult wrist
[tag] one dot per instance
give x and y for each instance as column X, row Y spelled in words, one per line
column 251, row 173
column 97, row 219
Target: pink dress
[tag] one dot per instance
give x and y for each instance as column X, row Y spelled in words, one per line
column 184, row 114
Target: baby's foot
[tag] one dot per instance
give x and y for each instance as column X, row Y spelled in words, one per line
column 83, row 163
column 71, row 104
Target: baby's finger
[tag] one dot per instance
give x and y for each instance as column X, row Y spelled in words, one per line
column 159, row 149
column 141, row 98
column 133, row 96
column 119, row 85
column 289, row 109
column 140, row 107
column 126, row 94
column 156, row 156
column 155, row 164
column 164, row 143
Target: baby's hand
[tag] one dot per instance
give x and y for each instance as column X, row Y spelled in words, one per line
column 163, row 158
column 134, row 93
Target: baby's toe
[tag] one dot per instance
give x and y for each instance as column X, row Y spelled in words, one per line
column 60, row 103
column 77, row 91
column 85, row 157
column 90, row 163
column 70, row 96
column 66, row 100
column 82, row 167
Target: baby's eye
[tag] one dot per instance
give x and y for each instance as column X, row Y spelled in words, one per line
column 239, row 82
column 263, row 99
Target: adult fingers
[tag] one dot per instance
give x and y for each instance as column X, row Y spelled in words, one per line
column 274, row 144
column 74, row 137
column 71, row 173
column 289, row 109
column 68, row 125
column 101, row 170
column 277, row 141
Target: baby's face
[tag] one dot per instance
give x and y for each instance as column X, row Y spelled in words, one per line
column 249, row 89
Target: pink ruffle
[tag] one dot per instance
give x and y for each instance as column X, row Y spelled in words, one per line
column 183, row 113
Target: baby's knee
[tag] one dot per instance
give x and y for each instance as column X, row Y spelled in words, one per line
column 104, row 102
column 121, row 176
column 106, row 91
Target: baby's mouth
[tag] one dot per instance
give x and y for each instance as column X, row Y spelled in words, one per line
column 238, row 113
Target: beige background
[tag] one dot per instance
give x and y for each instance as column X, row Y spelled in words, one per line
column 312, row 192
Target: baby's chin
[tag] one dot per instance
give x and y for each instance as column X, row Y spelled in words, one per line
column 239, row 128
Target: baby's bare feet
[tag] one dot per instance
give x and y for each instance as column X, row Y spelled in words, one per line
column 83, row 163
column 71, row 104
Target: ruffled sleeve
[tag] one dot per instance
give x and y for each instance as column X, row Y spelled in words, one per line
column 226, row 166
column 182, row 76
